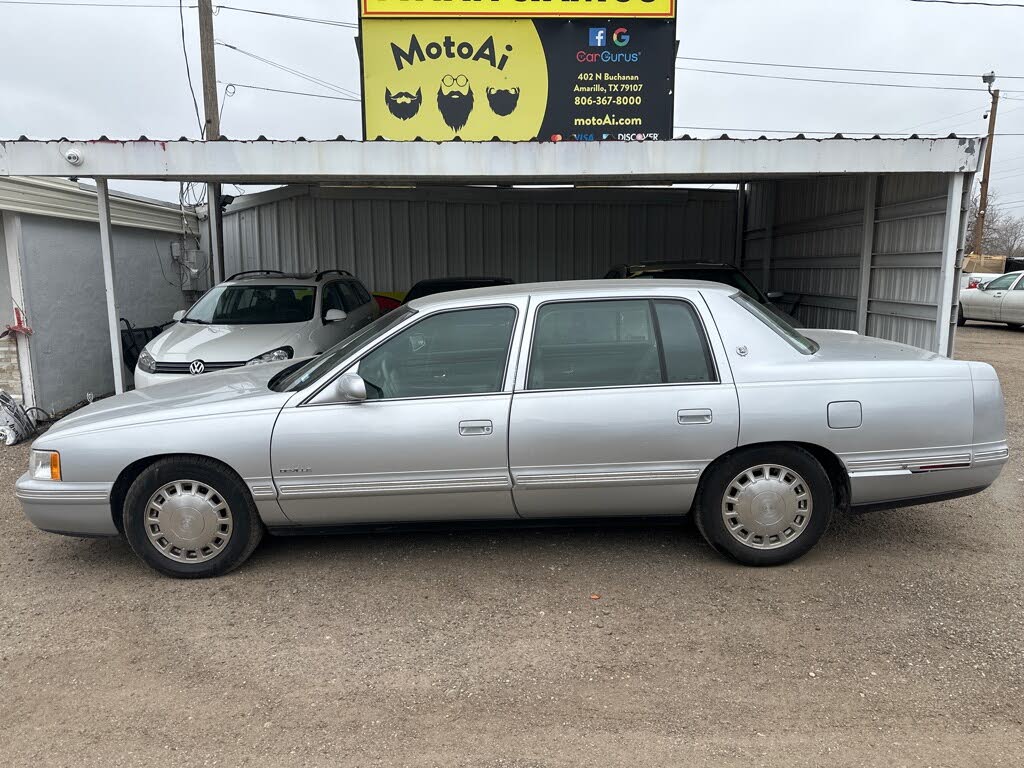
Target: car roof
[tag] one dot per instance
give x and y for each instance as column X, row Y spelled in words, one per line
column 306, row 281
column 611, row 288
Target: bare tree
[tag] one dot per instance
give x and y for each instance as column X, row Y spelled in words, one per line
column 1004, row 232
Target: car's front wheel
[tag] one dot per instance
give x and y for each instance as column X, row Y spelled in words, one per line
column 960, row 319
column 190, row 517
column 765, row 506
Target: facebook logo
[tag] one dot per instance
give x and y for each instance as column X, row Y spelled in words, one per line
column 598, row 37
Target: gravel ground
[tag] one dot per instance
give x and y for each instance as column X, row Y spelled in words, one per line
column 898, row 641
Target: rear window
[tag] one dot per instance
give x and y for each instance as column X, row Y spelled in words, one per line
column 792, row 336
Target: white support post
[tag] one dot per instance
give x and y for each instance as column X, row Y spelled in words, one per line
column 950, row 250
column 867, row 248
column 213, row 211
column 741, row 222
column 107, row 250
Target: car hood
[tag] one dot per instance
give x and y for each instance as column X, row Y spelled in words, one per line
column 847, row 346
column 185, row 342
column 237, row 390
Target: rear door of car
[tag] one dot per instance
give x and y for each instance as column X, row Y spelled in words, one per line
column 620, row 403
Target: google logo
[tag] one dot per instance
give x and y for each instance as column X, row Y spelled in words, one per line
column 621, row 37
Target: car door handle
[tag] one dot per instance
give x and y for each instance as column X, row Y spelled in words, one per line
column 470, row 428
column 694, row 416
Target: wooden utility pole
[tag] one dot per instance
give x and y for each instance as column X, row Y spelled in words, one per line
column 212, row 131
column 979, row 225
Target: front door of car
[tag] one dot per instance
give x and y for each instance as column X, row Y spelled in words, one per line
column 330, row 332
column 430, row 442
column 1011, row 309
column 619, row 409
column 983, row 304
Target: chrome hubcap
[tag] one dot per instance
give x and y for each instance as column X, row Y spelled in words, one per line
column 767, row 506
column 188, row 521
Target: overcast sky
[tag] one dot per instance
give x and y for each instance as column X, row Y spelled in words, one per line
column 86, row 72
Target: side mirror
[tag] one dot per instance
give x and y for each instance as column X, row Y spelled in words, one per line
column 775, row 295
column 178, row 315
column 351, row 388
column 334, row 315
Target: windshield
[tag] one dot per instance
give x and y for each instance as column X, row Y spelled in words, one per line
column 254, row 305
column 731, row 277
column 793, row 337
column 295, row 379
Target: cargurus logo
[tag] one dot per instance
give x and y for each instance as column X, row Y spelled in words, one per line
column 607, row 57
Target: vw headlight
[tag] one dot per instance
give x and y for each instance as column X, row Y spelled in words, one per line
column 273, row 356
column 44, row 465
column 146, row 363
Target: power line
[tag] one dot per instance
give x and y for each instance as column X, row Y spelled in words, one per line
column 293, row 93
column 971, row 2
column 836, row 82
column 90, row 5
column 794, row 132
column 291, row 17
column 188, row 69
column 298, row 73
column 974, row 76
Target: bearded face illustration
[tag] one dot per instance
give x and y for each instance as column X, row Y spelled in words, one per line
column 455, row 101
column 403, row 104
column 503, row 101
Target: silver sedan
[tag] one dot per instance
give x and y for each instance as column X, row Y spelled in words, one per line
column 529, row 403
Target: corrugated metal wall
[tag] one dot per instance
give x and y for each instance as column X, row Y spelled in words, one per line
column 392, row 238
column 807, row 237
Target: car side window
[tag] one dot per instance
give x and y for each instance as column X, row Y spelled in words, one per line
column 1001, row 283
column 687, row 353
column 462, row 352
column 332, row 298
column 617, row 343
column 1019, row 286
column 362, row 293
column 594, row 344
column 349, row 298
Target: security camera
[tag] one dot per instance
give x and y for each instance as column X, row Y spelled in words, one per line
column 74, row 156
column 989, row 78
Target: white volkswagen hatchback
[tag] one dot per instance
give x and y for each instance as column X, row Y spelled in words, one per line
column 257, row 317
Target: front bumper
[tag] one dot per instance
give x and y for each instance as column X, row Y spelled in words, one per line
column 73, row 509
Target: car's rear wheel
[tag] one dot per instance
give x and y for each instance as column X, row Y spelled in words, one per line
column 190, row 517
column 766, row 505
column 960, row 319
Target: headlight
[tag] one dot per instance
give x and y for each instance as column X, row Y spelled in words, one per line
column 273, row 356
column 44, row 465
column 146, row 362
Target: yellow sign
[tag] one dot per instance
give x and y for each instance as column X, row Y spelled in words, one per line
column 421, row 80
column 576, row 9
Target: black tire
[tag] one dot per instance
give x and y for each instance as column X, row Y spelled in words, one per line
column 246, row 528
column 711, row 494
column 1013, row 326
column 960, row 319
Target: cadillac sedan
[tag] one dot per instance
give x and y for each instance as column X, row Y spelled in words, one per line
column 529, row 403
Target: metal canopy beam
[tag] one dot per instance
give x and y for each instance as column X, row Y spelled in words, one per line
column 107, row 252
column 275, row 162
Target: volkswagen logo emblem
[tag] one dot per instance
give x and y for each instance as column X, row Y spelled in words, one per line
column 197, row 367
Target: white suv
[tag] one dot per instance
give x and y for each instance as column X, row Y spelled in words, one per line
column 257, row 317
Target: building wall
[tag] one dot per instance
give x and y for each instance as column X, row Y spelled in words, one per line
column 865, row 253
column 62, row 274
column 393, row 237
